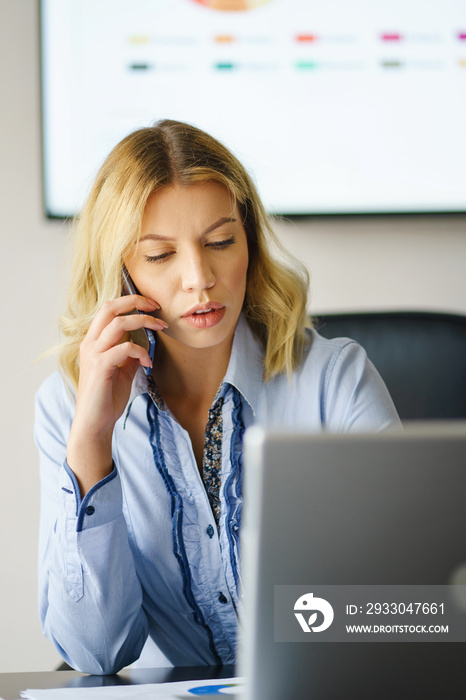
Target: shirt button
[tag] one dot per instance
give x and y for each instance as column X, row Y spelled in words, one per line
column 90, row 510
column 210, row 531
column 222, row 599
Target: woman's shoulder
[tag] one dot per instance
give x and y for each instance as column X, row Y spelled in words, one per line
column 353, row 393
column 54, row 385
column 323, row 354
column 55, row 395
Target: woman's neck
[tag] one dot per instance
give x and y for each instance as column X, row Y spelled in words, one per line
column 190, row 374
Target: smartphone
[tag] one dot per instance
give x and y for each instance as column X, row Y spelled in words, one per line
column 143, row 336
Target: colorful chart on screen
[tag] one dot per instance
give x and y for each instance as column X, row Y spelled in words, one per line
column 334, row 108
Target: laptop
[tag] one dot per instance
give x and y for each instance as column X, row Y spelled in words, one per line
column 363, row 529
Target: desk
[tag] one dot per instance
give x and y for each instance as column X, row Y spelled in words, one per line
column 11, row 684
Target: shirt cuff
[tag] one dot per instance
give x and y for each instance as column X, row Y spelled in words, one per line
column 101, row 504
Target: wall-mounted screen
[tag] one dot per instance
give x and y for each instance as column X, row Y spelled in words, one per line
column 336, row 107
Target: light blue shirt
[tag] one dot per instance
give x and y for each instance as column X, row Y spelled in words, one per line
column 140, row 553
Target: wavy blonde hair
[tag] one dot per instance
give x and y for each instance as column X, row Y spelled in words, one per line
column 109, row 226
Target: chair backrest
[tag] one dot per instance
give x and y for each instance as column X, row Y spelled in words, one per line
column 420, row 355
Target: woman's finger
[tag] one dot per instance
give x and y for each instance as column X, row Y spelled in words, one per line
column 118, row 326
column 118, row 307
column 119, row 354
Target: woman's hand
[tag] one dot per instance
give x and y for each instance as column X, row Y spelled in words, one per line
column 107, row 369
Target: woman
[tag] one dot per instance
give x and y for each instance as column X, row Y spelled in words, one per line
column 141, row 474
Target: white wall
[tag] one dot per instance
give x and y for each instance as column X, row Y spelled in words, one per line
column 387, row 263
column 356, row 263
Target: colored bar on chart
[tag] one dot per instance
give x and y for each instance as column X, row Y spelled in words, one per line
column 306, row 65
column 224, row 39
column 392, row 64
column 391, row 36
column 306, row 38
column 139, row 39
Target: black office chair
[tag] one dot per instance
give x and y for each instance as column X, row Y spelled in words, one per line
column 421, row 356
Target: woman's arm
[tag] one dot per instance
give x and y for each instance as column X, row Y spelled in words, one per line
column 90, row 595
column 107, row 369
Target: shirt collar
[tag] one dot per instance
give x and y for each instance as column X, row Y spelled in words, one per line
column 139, row 386
column 246, row 366
column 245, row 369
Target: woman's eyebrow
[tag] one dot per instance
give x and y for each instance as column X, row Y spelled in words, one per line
column 154, row 237
column 220, row 222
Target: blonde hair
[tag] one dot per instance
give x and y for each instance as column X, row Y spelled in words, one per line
column 109, row 226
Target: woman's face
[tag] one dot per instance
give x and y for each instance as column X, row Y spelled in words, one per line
column 192, row 258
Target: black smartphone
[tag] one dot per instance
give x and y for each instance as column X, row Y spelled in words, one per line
column 145, row 337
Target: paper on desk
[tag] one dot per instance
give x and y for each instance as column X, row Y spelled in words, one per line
column 151, row 691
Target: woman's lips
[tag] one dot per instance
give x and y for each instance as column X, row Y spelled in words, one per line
column 205, row 315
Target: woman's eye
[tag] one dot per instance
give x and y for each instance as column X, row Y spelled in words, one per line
column 157, row 258
column 221, row 244
column 216, row 245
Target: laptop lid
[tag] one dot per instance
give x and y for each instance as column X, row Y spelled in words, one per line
column 360, row 520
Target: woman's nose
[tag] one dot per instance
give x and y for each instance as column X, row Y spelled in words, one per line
column 197, row 272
